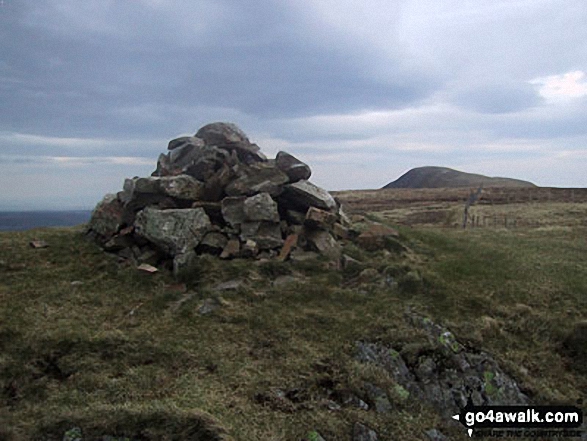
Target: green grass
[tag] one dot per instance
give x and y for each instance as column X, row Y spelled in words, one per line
column 126, row 350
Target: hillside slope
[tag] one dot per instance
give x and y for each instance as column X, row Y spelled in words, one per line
column 440, row 177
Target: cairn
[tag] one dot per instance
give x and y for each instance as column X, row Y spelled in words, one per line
column 216, row 193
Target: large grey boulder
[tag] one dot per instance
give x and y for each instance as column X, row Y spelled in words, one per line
column 304, row 194
column 174, row 231
column 261, row 207
column 139, row 192
column 295, row 169
column 257, row 178
column 233, row 211
column 229, row 137
column 108, row 216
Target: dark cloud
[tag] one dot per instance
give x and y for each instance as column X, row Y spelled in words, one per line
column 81, row 82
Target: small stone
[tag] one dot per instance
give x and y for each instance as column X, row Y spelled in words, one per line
column 333, row 405
column 232, row 249
column 208, row 306
column 38, row 244
column 282, row 281
column 363, row 433
column 77, row 283
column 147, row 268
column 435, row 435
column 231, row 285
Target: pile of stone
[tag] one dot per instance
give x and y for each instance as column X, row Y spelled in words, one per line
column 216, row 193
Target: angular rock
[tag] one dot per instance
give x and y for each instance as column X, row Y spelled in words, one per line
column 228, row 136
column 317, row 218
column 175, row 231
column 203, row 163
column 304, row 194
column 323, row 242
column 257, row 178
column 261, row 207
column 183, row 141
column 295, row 169
column 290, row 243
column 140, row 192
column 363, row 433
column 213, row 243
column 233, row 211
column 145, row 267
column 267, row 235
column 107, row 217
column 231, row 285
column 215, row 185
column 221, row 134
column 232, row 249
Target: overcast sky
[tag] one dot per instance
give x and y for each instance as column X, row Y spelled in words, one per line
column 91, row 91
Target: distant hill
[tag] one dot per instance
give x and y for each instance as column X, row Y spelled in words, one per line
column 440, row 177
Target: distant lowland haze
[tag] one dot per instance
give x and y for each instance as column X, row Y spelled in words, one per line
column 93, row 91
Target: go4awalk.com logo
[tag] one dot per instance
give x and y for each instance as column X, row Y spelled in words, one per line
column 521, row 421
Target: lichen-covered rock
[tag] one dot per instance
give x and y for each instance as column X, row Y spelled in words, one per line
column 107, row 217
column 228, row 136
column 448, row 377
column 175, row 231
column 261, row 207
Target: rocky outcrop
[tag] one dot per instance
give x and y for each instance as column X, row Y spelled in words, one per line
column 216, row 193
column 444, row 374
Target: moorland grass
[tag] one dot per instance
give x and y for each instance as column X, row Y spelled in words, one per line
column 132, row 344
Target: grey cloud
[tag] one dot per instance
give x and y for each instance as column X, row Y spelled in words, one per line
column 259, row 65
column 498, row 98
